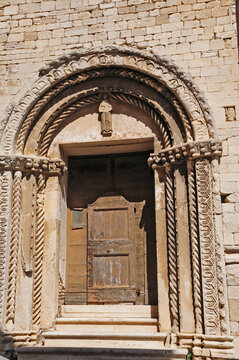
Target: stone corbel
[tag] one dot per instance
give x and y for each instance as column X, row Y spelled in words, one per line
column 181, row 153
column 31, row 164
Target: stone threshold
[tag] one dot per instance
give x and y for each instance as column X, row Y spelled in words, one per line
column 45, row 353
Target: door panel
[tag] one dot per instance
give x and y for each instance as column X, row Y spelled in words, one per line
column 111, row 250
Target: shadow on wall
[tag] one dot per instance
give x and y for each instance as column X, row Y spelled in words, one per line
column 7, row 350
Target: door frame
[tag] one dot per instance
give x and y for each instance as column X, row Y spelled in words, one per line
column 105, row 147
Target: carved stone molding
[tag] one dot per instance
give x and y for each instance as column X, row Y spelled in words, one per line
column 190, row 150
column 5, row 181
column 119, row 72
column 195, row 247
column 180, row 84
column 207, row 248
column 32, row 164
column 14, row 244
column 172, row 250
column 38, row 251
column 55, row 121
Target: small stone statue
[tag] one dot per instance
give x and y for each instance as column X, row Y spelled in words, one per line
column 230, row 113
column 105, row 118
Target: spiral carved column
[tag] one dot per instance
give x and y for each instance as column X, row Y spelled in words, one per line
column 38, row 255
column 195, row 248
column 14, row 244
column 172, row 251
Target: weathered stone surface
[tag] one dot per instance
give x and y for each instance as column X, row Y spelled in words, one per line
column 49, row 48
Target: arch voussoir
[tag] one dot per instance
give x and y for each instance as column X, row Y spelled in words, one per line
column 187, row 97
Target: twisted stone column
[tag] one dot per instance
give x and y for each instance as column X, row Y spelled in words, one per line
column 38, row 254
column 195, row 248
column 14, row 244
column 172, row 250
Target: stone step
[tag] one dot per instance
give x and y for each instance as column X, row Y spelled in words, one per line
column 106, row 339
column 113, row 311
column 43, row 353
column 106, row 324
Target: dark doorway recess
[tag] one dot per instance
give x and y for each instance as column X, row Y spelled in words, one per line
column 111, row 247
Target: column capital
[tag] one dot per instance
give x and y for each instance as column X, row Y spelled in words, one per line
column 181, row 153
column 32, row 164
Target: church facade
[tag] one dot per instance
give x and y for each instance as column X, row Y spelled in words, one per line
column 119, row 179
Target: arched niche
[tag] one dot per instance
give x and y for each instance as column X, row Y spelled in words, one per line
column 154, row 104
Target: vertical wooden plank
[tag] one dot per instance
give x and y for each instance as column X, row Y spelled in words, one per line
column 76, row 261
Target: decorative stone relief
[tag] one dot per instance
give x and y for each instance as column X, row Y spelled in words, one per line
column 166, row 72
column 207, row 245
column 105, row 109
column 54, row 122
column 13, row 252
column 230, row 113
column 38, row 251
column 172, row 251
column 32, row 164
column 100, row 73
column 195, row 248
column 191, row 150
column 5, row 181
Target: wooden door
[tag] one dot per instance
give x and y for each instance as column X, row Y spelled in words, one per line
column 127, row 240
column 111, row 251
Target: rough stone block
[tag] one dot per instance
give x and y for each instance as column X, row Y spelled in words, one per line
column 62, row 4
column 202, row 45
column 30, row 36
column 219, row 12
column 48, row 5
column 233, row 309
column 29, row 8
column 10, row 10
column 15, row 37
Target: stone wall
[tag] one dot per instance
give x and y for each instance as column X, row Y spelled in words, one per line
column 198, row 35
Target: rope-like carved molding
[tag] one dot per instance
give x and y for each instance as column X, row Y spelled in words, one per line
column 13, row 256
column 53, row 123
column 179, row 83
column 4, row 216
column 195, row 248
column 155, row 64
column 100, row 73
column 172, row 250
column 32, row 164
column 207, row 247
column 190, row 150
column 151, row 110
column 38, row 251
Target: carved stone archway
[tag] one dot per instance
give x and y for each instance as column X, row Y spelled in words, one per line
column 188, row 147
